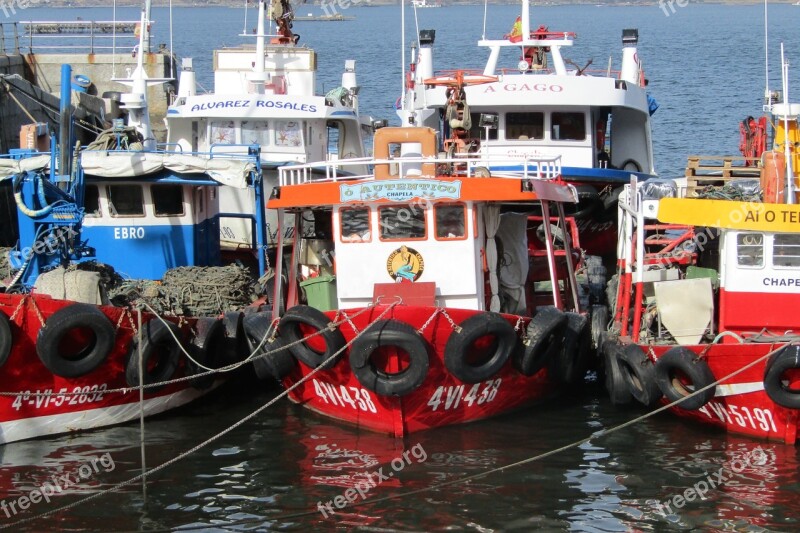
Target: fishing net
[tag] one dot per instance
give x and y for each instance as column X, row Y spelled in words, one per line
column 191, row 291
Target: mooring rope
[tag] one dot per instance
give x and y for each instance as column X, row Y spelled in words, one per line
column 467, row 479
column 211, row 439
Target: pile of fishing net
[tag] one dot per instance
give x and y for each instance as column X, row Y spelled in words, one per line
column 191, row 291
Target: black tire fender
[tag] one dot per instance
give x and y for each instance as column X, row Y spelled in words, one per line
column 633, row 162
column 457, row 350
column 639, row 372
column 614, row 381
column 314, row 318
column 545, row 335
column 75, row 320
column 159, row 344
column 588, row 202
column 599, row 325
column 6, row 339
column 694, row 370
column 205, row 348
column 572, row 361
column 390, row 333
column 279, row 361
column 787, row 358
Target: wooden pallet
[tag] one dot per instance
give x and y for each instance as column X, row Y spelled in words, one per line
column 702, row 170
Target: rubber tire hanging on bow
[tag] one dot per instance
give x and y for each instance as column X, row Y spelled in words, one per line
column 159, row 344
column 459, row 346
column 639, row 374
column 84, row 322
column 787, row 358
column 694, row 369
column 303, row 315
column 6, row 339
column 279, row 361
column 545, row 336
column 206, row 348
column 618, row 391
column 382, row 334
column 572, row 361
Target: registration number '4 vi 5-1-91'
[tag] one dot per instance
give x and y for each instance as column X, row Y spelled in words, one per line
column 452, row 396
column 354, row 397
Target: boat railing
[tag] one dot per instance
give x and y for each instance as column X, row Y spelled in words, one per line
column 76, row 35
column 467, row 166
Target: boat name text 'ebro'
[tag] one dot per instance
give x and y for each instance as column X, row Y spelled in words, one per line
column 294, row 106
column 132, row 232
column 536, row 87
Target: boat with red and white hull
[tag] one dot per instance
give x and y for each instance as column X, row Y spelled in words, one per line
column 59, row 392
column 706, row 294
column 443, row 305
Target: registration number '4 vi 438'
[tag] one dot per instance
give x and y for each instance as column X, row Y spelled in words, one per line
column 453, row 396
column 353, row 397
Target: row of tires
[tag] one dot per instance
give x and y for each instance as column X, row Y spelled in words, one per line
column 681, row 375
column 78, row 338
column 560, row 341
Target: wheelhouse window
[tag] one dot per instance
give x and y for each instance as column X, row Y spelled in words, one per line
column 402, row 222
column 125, row 200
column 223, row 132
column 91, row 201
column 355, row 224
column 288, row 133
column 750, row 249
column 786, row 251
column 524, row 126
column 255, row 132
column 568, row 126
column 167, row 200
column 450, row 222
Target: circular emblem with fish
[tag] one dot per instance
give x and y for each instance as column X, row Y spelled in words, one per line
column 405, row 264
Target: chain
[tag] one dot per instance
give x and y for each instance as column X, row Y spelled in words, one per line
column 20, row 305
column 38, row 312
column 350, row 322
column 430, row 319
column 455, row 326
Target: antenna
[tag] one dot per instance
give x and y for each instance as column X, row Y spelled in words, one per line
column 403, row 47
column 786, row 136
column 767, row 97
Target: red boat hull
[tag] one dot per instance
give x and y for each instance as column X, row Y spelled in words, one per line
column 74, row 403
column 440, row 400
column 740, row 404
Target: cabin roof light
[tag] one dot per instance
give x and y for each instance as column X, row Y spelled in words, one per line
column 630, row 37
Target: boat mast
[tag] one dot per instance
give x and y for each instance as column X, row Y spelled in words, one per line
column 259, row 76
column 786, row 137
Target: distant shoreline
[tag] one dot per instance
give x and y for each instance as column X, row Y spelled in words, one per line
column 238, row 4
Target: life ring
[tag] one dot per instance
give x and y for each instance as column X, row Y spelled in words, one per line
column 571, row 363
column 380, row 335
column 279, row 363
column 310, row 317
column 636, row 165
column 788, row 358
column 6, row 339
column 75, row 340
column 614, row 381
column 679, row 373
column 460, row 347
column 159, row 345
column 545, row 335
column 205, row 348
column 639, row 375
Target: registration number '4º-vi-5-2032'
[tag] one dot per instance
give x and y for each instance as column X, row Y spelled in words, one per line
column 40, row 399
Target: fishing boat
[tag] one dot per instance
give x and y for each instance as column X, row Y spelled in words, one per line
column 266, row 95
column 117, row 283
column 420, row 301
column 706, row 290
column 531, row 101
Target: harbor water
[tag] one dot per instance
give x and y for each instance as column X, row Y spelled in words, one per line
column 287, row 469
